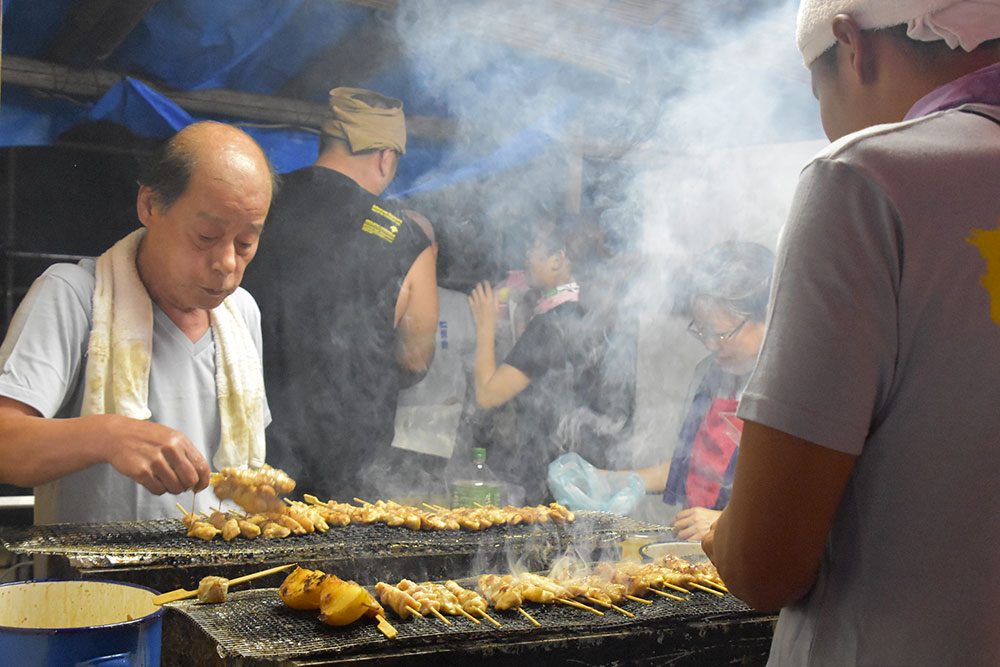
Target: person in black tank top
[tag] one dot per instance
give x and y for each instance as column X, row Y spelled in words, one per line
column 348, row 296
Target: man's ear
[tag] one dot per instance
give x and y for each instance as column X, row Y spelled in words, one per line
column 386, row 158
column 857, row 51
column 145, row 204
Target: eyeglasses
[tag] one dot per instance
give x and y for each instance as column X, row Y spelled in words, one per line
column 706, row 337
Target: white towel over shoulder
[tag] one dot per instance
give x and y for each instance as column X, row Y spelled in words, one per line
column 120, row 354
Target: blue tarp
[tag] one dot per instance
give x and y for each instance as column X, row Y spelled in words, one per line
column 247, row 45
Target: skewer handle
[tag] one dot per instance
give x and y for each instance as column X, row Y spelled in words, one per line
column 182, row 594
column 386, row 627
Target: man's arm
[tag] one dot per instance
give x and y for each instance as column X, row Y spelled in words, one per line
column 35, row 450
column 770, row 539
column 417, row 313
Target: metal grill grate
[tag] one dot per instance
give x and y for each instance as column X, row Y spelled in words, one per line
column 256, row 625
column 163, row 542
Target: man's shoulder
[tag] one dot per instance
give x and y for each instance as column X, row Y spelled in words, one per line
column 77, row 278
column 905, row 140
column 317, row 180
column 246, row 305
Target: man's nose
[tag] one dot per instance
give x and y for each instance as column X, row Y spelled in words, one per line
column 225, row 259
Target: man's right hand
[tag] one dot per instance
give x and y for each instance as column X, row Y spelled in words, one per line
column 35, row 450
column 160, row 458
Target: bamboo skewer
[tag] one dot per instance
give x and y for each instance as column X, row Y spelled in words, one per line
column 528, row 616
column 491, row 619
column 579, row 605
column 608, row 605
column 414, row 611
column 623, row 611
column 675, row 587
column 440, row 616
column 181, row 594
column 719, row 586
column 638, row 599
column 667, row 595
column 469, row 616
column 708, row 590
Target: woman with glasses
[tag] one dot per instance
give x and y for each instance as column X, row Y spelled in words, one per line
column 724, row 294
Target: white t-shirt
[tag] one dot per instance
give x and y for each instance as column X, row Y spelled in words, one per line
column 48, row 340
column 880, row 343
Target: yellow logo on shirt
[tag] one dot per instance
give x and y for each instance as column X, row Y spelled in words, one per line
column 378, row 210
column 378, row 230
column 372, row 227
column 988, row 243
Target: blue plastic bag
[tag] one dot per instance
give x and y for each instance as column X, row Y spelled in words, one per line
column 579, row 485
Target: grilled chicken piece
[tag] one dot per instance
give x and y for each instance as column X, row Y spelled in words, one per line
column 502, row 592
column 253, row 490
column 213, row 589
column 203, row 530
column 401, row 602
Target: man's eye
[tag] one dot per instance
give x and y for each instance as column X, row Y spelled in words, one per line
column 206, row 239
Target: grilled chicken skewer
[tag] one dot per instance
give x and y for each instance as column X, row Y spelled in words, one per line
column 400, row 601
column 255, row 490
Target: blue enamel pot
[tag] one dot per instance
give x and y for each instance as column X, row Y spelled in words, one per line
column 95, row 623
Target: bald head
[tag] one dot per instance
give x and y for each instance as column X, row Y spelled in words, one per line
column 210, row 150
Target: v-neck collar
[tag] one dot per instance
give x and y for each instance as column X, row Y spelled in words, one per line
column 179, row 337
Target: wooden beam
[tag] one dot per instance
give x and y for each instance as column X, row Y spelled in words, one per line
column 93, row 83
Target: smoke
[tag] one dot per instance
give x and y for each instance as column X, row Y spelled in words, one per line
column 673, row 140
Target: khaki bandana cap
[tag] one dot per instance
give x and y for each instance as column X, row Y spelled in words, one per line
column 365, row 120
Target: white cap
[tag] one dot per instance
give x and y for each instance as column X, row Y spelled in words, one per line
column 965, row 23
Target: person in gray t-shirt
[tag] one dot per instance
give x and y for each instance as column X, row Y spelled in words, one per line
column 203, row 206
column 868, row 461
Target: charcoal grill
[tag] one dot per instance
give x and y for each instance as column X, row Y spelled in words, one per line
column 255, row 628
column 159, row 555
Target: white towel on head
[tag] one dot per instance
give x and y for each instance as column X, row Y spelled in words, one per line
column 959, row 22
column 119, row 355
